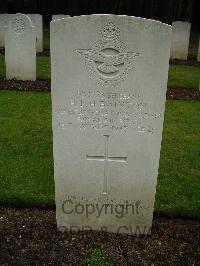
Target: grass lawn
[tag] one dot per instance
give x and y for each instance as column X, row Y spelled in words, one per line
column 26, row 164
column 26, row 172
column 180, row 76
column 183, row 76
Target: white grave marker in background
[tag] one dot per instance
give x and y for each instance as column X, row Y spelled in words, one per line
column 109, row 80
column 180, row 39
column 20, row 48
column 38, row 24
column 3, row 24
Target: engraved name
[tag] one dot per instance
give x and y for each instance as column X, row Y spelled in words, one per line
column 107, row 111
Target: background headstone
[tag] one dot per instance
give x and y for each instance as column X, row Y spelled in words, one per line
column 198, row 53
column 3, row 24
column 38, row 24
column 20, row 48
column 59, row 16
column 180, row 39
column 109, row 79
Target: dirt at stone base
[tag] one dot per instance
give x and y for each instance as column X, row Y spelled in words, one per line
column 189, row 62
column 183, row 94
column 45, row 86
column 29, row 237
column 20, row 85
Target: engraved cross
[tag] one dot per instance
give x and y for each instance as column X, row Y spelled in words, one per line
column 106, row 158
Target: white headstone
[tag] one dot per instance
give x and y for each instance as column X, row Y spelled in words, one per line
column 37, row 23
column 20, row 48
column 60, row 16
column 109, row 80
column 180, row 39
column 198, row 55
column 3, row 25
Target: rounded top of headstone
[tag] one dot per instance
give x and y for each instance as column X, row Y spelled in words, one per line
column 20, row 23
column 110, row 31
column 34, row 17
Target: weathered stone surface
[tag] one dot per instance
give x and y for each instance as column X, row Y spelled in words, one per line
column 20, row 48
column 180, row 39
column 38, row 24
column 109, row 80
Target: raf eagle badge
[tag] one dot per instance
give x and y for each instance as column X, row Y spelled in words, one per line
column 109, row 60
